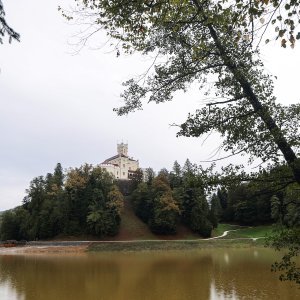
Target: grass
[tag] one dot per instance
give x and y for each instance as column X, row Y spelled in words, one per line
column 235, row 239
column 172, row 245
column 223, row 227
column 251, row 232
column 132, row 228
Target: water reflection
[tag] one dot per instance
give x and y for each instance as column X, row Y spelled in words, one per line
column 220, row 294
column 226, row 258
column 7, row 291
column 205, row 274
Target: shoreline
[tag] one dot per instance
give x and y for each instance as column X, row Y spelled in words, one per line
column 84, row 247
column 246, row 237
column 44, row 250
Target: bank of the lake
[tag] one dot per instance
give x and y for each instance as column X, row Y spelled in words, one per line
column 225, row 236
column 174, row 245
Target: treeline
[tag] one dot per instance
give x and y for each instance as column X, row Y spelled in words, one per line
column 244, row 204
column 173, row 197
column 81, row 201
column 269, row 197
column 87, row 201
column 181, row 196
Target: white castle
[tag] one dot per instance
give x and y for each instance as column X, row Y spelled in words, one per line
column 121, row 165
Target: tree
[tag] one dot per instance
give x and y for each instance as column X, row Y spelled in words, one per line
column 288, row 239
column 222, row 195
column 190, row 195
column 201, row 40
column 198, row 40
column 58, row 176
column 88, row 201
column 141, row 200
column 104, row 216
column 93, row 201
column 285, row 209
column 137, row 178
column 9, row 226
column 195, row 211
column 149, row 175
column 165, row 211
column 5, row 28
column 175, row 176
column 215, row 211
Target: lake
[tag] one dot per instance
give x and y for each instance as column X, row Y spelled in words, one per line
column 171, row 275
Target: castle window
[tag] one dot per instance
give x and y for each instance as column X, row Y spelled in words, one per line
column 123, row 173
column 123, row 165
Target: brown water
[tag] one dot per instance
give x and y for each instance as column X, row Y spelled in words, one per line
column 202, row 274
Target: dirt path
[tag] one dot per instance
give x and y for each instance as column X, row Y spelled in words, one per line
column 223, row 235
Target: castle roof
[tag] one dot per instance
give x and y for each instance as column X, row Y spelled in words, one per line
column 113, row 157
column 107, row 161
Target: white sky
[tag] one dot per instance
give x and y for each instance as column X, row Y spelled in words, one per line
column 57, row 107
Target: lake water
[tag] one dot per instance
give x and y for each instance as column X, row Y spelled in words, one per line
column 202, row 274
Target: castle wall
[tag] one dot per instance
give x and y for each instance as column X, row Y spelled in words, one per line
column 121, row 164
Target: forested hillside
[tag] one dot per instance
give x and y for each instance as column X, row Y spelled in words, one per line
column 86, row 201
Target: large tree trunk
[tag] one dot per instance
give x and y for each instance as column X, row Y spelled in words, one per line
column 279, row 138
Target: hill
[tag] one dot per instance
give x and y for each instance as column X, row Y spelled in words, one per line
column 132, row 228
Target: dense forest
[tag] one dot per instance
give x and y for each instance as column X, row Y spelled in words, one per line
column 88, row 201
column 85, row 200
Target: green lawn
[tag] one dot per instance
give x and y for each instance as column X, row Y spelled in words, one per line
column 251, row 232
column 226, row 242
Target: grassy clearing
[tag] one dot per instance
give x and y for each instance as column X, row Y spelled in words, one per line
column 251, row 232
column 172, row 245
column 132, row 228
column 235, row 239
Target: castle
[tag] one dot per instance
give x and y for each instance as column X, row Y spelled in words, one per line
column 121, row 165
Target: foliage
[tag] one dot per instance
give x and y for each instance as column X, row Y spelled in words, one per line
column 9, row 226
column 142, row 201
column 196, row 41
column 175, row 176
column 172, row 197
column 282, row 15
column 5, row 29
column 165, row 211
column 246, row 203
column 149, row 175
column 84, row 200
column 287, row 239
column 285, row 210
column 199, row 41
column 153, row 202
column 103, row 217
column 215, row 211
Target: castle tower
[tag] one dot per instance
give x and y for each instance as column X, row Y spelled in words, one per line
column 123, row 149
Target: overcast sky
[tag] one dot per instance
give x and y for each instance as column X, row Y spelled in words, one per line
column 57, row 107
